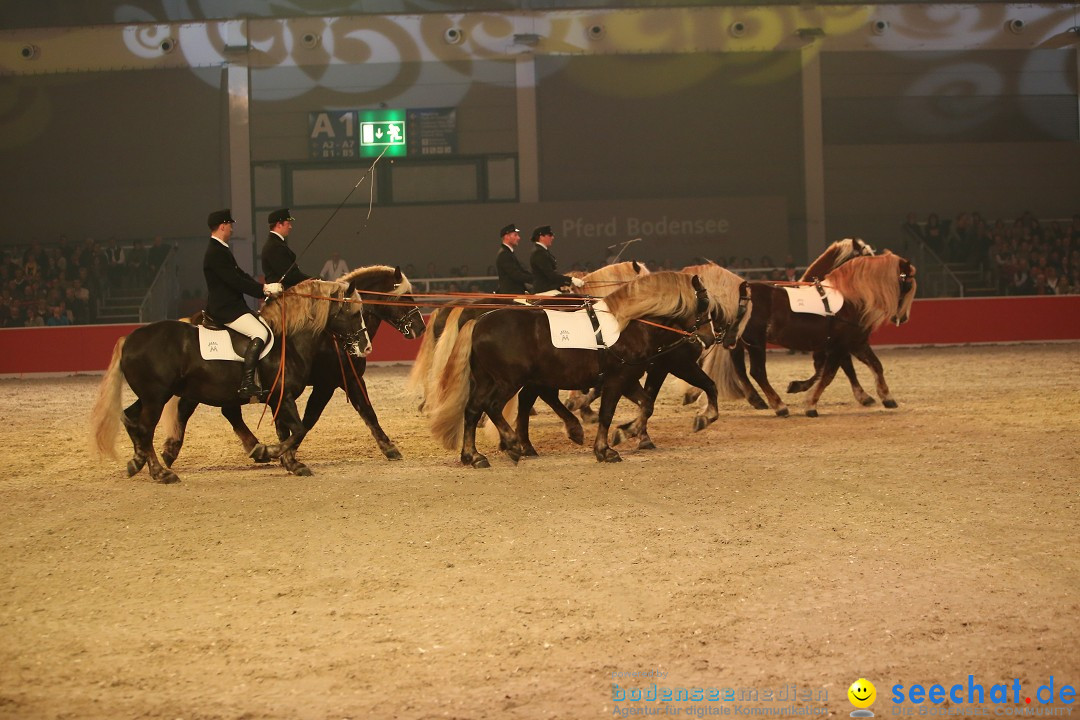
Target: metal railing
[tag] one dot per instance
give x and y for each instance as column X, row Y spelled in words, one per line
column 935, row 278
column 161, row 298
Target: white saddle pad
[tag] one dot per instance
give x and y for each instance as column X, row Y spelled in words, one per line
column 574, row 329
column 807, row 299
column 217, row 345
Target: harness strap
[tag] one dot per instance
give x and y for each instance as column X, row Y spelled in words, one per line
column 595, row 325
column 824, row 299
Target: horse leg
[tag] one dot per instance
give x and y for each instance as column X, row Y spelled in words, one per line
column 693, row 374
column 141, row 419
column 171, row 448
column 571, row 424
column 509, row 439
column 130, row 419
column 861, row 396
column 254, row 449
column 291, row 432
column 526, row 398
column 798, row 386
column 588, row 415
column 473, row 413
column 359, row 398
column 610, row 395
column 638, row 427
column 866, row 354
column 828, row 372
column 757, row 371
column 738, row 363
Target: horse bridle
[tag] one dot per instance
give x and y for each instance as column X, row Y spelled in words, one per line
column 354, row 336
column 744, row 302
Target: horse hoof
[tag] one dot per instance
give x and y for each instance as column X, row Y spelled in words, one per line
column 688, row 399
column 758, row 404
column 134, row 467
column 167, row 459
column 794, row 387
column 529, row 451
column 167, row 476
column 782, row 412
column 646, row 444
column 891, row 404
column 618, row 436
column 481, row 462
column 576, row 434
column 811, row 413
column 301, row 470
column 589, row 418
column 514, row 454
column 259, row 453
column 700, row 423
column 613, row 457
column 392, row 453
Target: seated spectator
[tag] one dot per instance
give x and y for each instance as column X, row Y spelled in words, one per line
column 115, row 258
column 14, row 318
column 1052, row 281
column 934, row 234
column 31, row 317
column 1021, row 282
column 57, row 316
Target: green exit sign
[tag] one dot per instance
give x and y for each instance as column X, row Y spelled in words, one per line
column 382, row 130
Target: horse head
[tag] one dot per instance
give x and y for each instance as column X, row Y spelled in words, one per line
column 389, row 298
column 860, row 247
column 346, row 321
column 907, row 292
column 729, row 333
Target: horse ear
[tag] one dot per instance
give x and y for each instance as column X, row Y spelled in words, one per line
column 637, row 268
column 696, row 282
column 397, row 275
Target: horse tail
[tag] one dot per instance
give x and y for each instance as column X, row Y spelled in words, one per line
column 721, row 369
column 169, row 423
column 442, row 350
column 451, row 392
column 422, row 365
column 105, row 417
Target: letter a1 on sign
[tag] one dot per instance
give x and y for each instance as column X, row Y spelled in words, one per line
column 332, row 134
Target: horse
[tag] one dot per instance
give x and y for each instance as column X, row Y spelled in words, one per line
column 876, row 289
column 163, row 359
column 387, row 297
column 506, row 350
column 429, row 362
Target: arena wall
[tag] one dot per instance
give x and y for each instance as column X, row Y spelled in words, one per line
column 943, row 321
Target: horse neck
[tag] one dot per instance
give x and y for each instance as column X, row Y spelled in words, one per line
column 372, row 321
column 821, row 267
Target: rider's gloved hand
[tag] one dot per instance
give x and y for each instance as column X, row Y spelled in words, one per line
column 273, row 289
column 577, row 282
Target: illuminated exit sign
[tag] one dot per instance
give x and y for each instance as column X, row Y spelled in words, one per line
column 382, row 130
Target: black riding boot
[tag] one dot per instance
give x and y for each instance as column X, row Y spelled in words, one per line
column 248, row 388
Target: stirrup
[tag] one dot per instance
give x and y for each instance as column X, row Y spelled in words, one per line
column 252, row 392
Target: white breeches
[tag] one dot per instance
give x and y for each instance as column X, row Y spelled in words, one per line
column 251, row 326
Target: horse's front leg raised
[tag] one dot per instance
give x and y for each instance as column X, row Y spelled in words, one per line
column 291, row 432
column 571, row 424
column 867, row 355
column 174, row 441
column 696, row 376
column 738, row 364
column 254, row 449
column 360, row 401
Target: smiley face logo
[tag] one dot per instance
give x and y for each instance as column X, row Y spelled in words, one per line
column 862, row 694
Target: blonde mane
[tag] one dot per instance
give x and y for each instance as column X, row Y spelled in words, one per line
column 303, row 314
column 722, row 284
column 604, row 281
column 360, row 276
column 872, row 284
column 834, row 256
column 663, row 294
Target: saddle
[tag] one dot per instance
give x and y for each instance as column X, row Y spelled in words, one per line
column 815, row 299
column 217, row 342
column 583, row 328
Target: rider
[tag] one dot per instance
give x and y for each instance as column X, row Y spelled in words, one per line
column 226, row 285
column 278, row 259
column 512, row 277
column 546, row 279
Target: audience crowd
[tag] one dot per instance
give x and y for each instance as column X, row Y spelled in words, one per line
column 1027, row 256
column 63, row 283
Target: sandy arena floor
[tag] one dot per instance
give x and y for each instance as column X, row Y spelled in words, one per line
column 917, row 545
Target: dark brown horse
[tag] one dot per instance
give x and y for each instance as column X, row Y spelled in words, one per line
column 387, row 295
column 507, row 350
column 163, row 360
column 876, row 289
